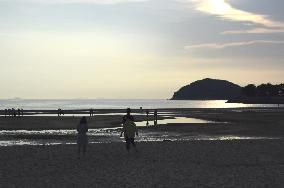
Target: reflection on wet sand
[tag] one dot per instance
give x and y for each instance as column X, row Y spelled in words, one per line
column 104, row 135
column 175, row 120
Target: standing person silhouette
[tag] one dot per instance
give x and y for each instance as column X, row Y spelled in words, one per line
column 14, row 112
column 129, row 129
column 147, row 117
column 155, row 117
column 91, row 112
column 9, row 112
column 82, row 139
column 19, row 112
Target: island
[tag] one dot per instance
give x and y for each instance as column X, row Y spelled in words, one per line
column 208, row 89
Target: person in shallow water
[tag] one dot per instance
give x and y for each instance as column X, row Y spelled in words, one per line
column 129, row 129
column 82, row 139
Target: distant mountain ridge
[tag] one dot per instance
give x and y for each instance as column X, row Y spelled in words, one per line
column 208, row 89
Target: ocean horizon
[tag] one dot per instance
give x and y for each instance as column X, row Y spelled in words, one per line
column 68, row 104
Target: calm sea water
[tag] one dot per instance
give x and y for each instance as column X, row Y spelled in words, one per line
column 120, row 104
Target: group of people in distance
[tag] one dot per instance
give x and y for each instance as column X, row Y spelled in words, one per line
column 13, row 112
column 129, row 130
column 60, row 112
column 155, row 117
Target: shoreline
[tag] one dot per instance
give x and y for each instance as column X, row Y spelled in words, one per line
column 30, row 112
column 222, row 117
column 218, row 123
column 258, row 100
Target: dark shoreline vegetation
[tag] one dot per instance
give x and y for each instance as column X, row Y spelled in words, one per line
column 261, row 94
column 213, row 89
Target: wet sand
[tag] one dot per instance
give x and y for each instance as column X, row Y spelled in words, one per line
column 62, row 122
column 246, row 163
column 247, row 122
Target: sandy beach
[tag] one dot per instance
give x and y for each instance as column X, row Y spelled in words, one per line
column 244, row 163
column 195, row 163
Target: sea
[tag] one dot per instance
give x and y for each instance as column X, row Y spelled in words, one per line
column 69, row 104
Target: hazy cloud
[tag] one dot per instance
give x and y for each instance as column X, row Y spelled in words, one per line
column 232, row 44
column 224, row 10
column 255, row 31
column 73, row 1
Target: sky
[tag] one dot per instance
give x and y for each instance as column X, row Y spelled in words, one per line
column 138, row 49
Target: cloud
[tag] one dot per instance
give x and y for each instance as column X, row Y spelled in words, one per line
column 232, row 44
column 255, row 31
column 222, row 9
column 74, row 1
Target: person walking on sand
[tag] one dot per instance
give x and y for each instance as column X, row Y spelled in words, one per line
column 129, row 129
column 82, row 139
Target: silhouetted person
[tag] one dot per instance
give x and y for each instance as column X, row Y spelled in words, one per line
column 19, row 112
column 129, row 129
column 91, row 112
column 6, row 112
column 14, row 112
column 60, row 112
column 155, row 117
column 22, row 112
column 9, row 112
column 147, row 117
column 82, row 139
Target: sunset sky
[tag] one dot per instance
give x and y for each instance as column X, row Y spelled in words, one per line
column 136, row 48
